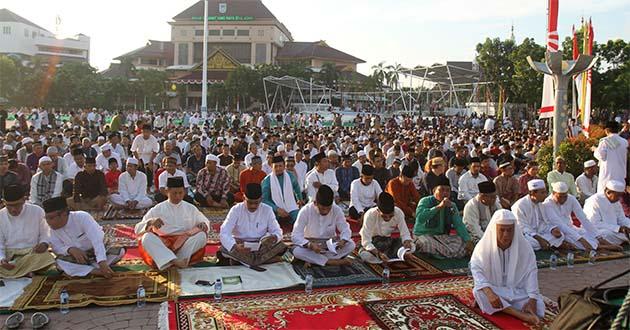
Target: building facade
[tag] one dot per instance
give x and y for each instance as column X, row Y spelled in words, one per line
column 27, row 40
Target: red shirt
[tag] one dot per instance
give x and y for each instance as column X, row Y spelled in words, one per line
column 111, row 180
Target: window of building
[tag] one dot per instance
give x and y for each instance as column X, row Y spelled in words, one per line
column 261, row 53
column 26, row 34
column 261, row 33
column 242, row 33
column 182, row 56
column 199, row 33
column 228, row 32
column 149, row 61
column 6, row 30
column 214, row 32
column 242, row 52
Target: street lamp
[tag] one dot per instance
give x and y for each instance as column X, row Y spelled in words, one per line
column 204, row 74
column 562, row 72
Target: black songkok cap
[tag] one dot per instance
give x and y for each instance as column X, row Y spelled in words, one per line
column 253, row 191
column 54, row 204
column 386, row 203
column 175, row 182
column 277, row 159
column 459, row 162
column 367, row 170
column 76, row 152
column 475, row 160
column 407, row 171
column 13, row 192
column 442, row 181
column 90, row 160
column 317, row 158
column 487, row 187
column 325, row 196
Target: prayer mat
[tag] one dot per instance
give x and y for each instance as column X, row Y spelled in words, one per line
column 438, row 312
column 355, row 273
column 11, row 290
column 120, row 235
column 132, row 257
column 326, row 308
column 214, row 215
column 121, row 289
column 417, row 268
column 123, row 214
column 238, row 279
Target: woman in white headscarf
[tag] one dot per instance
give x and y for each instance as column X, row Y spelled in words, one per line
column 504, row 271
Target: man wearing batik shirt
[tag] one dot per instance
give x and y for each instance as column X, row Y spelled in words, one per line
column 213, row 185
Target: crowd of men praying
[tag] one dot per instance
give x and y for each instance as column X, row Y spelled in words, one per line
column 444, row 187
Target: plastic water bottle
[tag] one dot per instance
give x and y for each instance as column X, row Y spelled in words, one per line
column 570, row 259
column 308, row 287
column 386, row 276
column 592, row 256
column 553, row 261
column 64, row 302
column 141, row 296
column 218, row 289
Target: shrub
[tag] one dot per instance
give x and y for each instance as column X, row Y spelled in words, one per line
column 574, row 150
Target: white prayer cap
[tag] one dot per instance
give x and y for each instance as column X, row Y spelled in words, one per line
column 589, row 163
column 535, row 184
column 331, row 153
column 93, row 109
column 27, row 140
column 560, row 187
column 7, row 147
column 361, row 153
column 503, row 217
column 396, row 141
column 106, row 147
column 100, row 138
column 213, row 158
column 281, row 148
column 615, row 185
column 45, row 159
column 132, row 161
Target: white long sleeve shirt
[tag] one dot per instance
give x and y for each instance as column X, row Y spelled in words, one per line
column 177, row 218
column 612, row 153
column 531, row 217
column 477, row 216
column 311, row 224
column 102, row 162
column 34, row 198
column 362, row 196
column 81, row 232
column 605, row 215
column 24, row 231
column 145, row 148
column 561, row 214
column 374, row 225
column 586, row 187
column 163, row 178
column 240, row 223
column 468, row 185
column 328, row 178
column 132, row 188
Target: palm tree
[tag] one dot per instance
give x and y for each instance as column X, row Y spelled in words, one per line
column 379, row 73
column 394, row 72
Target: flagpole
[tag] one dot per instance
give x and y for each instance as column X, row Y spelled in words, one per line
column 204, row 74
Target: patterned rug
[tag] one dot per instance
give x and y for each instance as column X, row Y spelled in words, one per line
column 439, row 312
column 43, row 292
column 214, row 215
column 120, row 214
column 410, row 269
column 327, row 276
column 125, row 236
column 327, row 308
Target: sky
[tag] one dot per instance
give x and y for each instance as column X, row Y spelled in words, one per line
column 408, row 32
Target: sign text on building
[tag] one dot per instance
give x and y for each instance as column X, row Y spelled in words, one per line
column 224, row 18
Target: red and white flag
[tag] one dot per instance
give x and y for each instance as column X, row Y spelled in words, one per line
column 549, row 90
column 584, row 89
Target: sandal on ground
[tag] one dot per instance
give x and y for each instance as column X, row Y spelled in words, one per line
column 39, row 320
column 14, row 321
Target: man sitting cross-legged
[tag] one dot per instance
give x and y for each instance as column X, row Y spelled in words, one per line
column 171, row 171
column 318, row 222
column 250, row 233
column 23, row 236
column 504, row 271
column 174, row 232
column 77, row 240
column 377, row 243
column 605, row 212
column 132, row 188
column 89, row 190
column 281, row 192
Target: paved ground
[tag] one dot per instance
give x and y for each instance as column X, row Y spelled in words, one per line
column 552, row 284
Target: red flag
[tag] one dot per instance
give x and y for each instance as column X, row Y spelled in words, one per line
column 591, row 37
column 552, row 26
column 576, row 48
column 547, row 103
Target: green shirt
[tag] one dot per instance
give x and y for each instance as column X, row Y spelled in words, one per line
column 566, row 177
column 431, row 220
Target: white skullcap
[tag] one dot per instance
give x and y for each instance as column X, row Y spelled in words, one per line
column 213, row 158
column 281, row 148
column 7, row 147
column 535, row 184
column 132, row 161
column 331, row 153
column 560, row 187
column 27, row 140
column 361, row 153
column 100, row 138
column 589, row 163
column 106, row 147
column 93, row 109
column 503, row 217
column 45, row 159
column 485, row 150
column 615, row 185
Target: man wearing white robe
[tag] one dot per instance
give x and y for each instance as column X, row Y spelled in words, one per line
column 132, row 188
column 612, row 153
column 318, row 222
column 78, row 241
column 586, row 183
column 539, row 231
column 559, row 206
column 173, row 231
column 479, row 210
column 320, row 175
column 24, row 236
column 250, row 233
column 505, row 275
column 605, row 212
